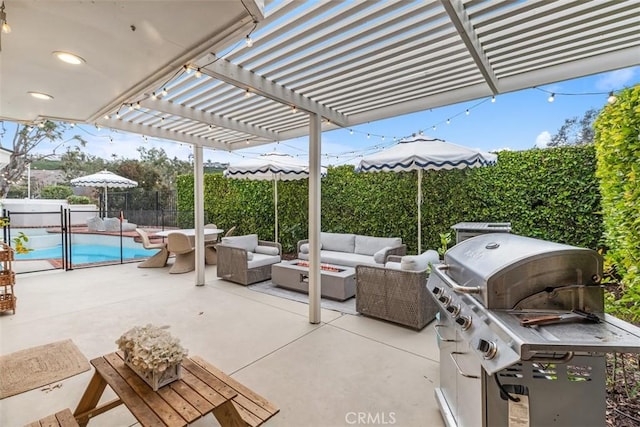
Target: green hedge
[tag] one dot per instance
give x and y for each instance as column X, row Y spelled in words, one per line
column 550, row 194
column 617, row 140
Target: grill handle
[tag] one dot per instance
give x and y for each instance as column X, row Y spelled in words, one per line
column 439, row 270
column 564, row 359
column 440, row 337
column 460, row 371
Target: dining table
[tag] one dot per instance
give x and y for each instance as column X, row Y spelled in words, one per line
column 210, row 240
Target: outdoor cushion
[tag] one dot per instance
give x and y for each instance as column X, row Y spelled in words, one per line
column 419, row 262
column 260, row 260
column 368, row 245
column 247, row 242
column 344, row 258
column 393, row 265
column 338, row 242
column 379, row 256
column 95, row 224
column 249, row 256
column 267, row 250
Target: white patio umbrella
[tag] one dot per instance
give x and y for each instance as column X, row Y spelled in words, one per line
column 422, row 153
column 104, row 179
column 274, row 167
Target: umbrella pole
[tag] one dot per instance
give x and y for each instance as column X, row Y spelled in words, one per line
column 275, row 205
column 419, row 211
column 106, row 205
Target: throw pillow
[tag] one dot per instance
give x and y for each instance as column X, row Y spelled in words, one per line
column 304, row 248
column 249, row 256
column 379, row 256
column 419, row 262
column 267, row 250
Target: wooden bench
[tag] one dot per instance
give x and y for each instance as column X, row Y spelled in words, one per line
column 254, row 409
column 63, row 418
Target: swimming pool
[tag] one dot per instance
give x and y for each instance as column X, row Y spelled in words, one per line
column 86, row 253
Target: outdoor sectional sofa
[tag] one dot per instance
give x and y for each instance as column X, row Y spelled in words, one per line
column 354, row 249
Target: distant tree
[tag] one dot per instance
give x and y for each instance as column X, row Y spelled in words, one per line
column 75, row 162
column 575, row 131
column 146, row 176
column 56, row 192
column 167, row 169
column 23, row 143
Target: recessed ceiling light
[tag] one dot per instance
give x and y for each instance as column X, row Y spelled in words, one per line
column 69, row 58
column 40, row 95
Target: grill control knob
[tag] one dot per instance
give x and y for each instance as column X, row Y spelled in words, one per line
column 487, row 348
column 436, row 290
column 444, row 299
column 464, row 321
column 453, row 309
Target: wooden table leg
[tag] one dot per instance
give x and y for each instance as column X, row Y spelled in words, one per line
column 228, row 416
column 90, row 399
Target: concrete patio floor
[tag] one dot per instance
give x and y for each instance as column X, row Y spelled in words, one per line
column 348, row 370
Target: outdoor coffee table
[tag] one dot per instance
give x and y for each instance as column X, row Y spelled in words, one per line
column 336, row 281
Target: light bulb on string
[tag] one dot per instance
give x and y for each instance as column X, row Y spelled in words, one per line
column 493, row 98
column 612, row 98
column 165, row 92
column 248, row 40
column 198, row 73
column 552, row 97
column 448, row 121
column 467, row 112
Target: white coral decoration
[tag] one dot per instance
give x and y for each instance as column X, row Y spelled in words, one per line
column 151, row 347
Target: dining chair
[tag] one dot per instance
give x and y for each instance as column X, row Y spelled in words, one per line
column 159, row 259
column 185, row 254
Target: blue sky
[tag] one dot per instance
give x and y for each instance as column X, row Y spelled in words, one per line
column 515, row 121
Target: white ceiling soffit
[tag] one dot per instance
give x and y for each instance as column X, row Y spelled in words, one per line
column 356, row 62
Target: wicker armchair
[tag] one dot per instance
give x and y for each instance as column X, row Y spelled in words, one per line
column 242, row 266
column 399, row 296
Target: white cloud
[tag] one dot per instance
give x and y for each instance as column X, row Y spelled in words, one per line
column 616, row 79
column 543, row 139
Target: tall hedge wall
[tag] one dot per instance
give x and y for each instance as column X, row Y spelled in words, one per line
column 550, row 194
column 617, row 140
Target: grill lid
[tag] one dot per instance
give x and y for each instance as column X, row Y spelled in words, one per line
column 507, row 268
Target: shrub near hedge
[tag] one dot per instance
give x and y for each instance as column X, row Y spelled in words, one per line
column 550, row 194
column 617, row 140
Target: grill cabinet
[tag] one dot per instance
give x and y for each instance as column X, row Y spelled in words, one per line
column 496, row 372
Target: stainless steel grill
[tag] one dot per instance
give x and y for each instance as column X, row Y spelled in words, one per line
column 523, row 333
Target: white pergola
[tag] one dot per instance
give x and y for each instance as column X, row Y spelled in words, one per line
column 312, row 67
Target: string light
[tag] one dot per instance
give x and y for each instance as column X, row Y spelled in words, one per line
column 612, row 98
column 294, row 109
column 448, row 121
column 552, row 97
column 198, row 73
column 165, row 92
column 247, row 93
column 493, row 99
column 136, row 105
column 248, row 41
column 154, row 96
column 467, row 112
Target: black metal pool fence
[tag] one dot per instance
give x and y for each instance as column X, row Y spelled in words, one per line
column 56, row 228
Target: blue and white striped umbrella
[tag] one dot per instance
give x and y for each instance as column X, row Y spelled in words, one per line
column 423, row 153
column 274, row 167
column 104, row 179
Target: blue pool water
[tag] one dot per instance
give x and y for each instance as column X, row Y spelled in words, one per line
column 81, row 254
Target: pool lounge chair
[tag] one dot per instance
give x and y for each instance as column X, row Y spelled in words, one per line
column 157, row 260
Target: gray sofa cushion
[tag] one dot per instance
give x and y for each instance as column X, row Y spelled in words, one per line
column 419, row 262
column 368, row 245
column 338, row 242
column 248, row 242
column 260, row 259
column 343, row 258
